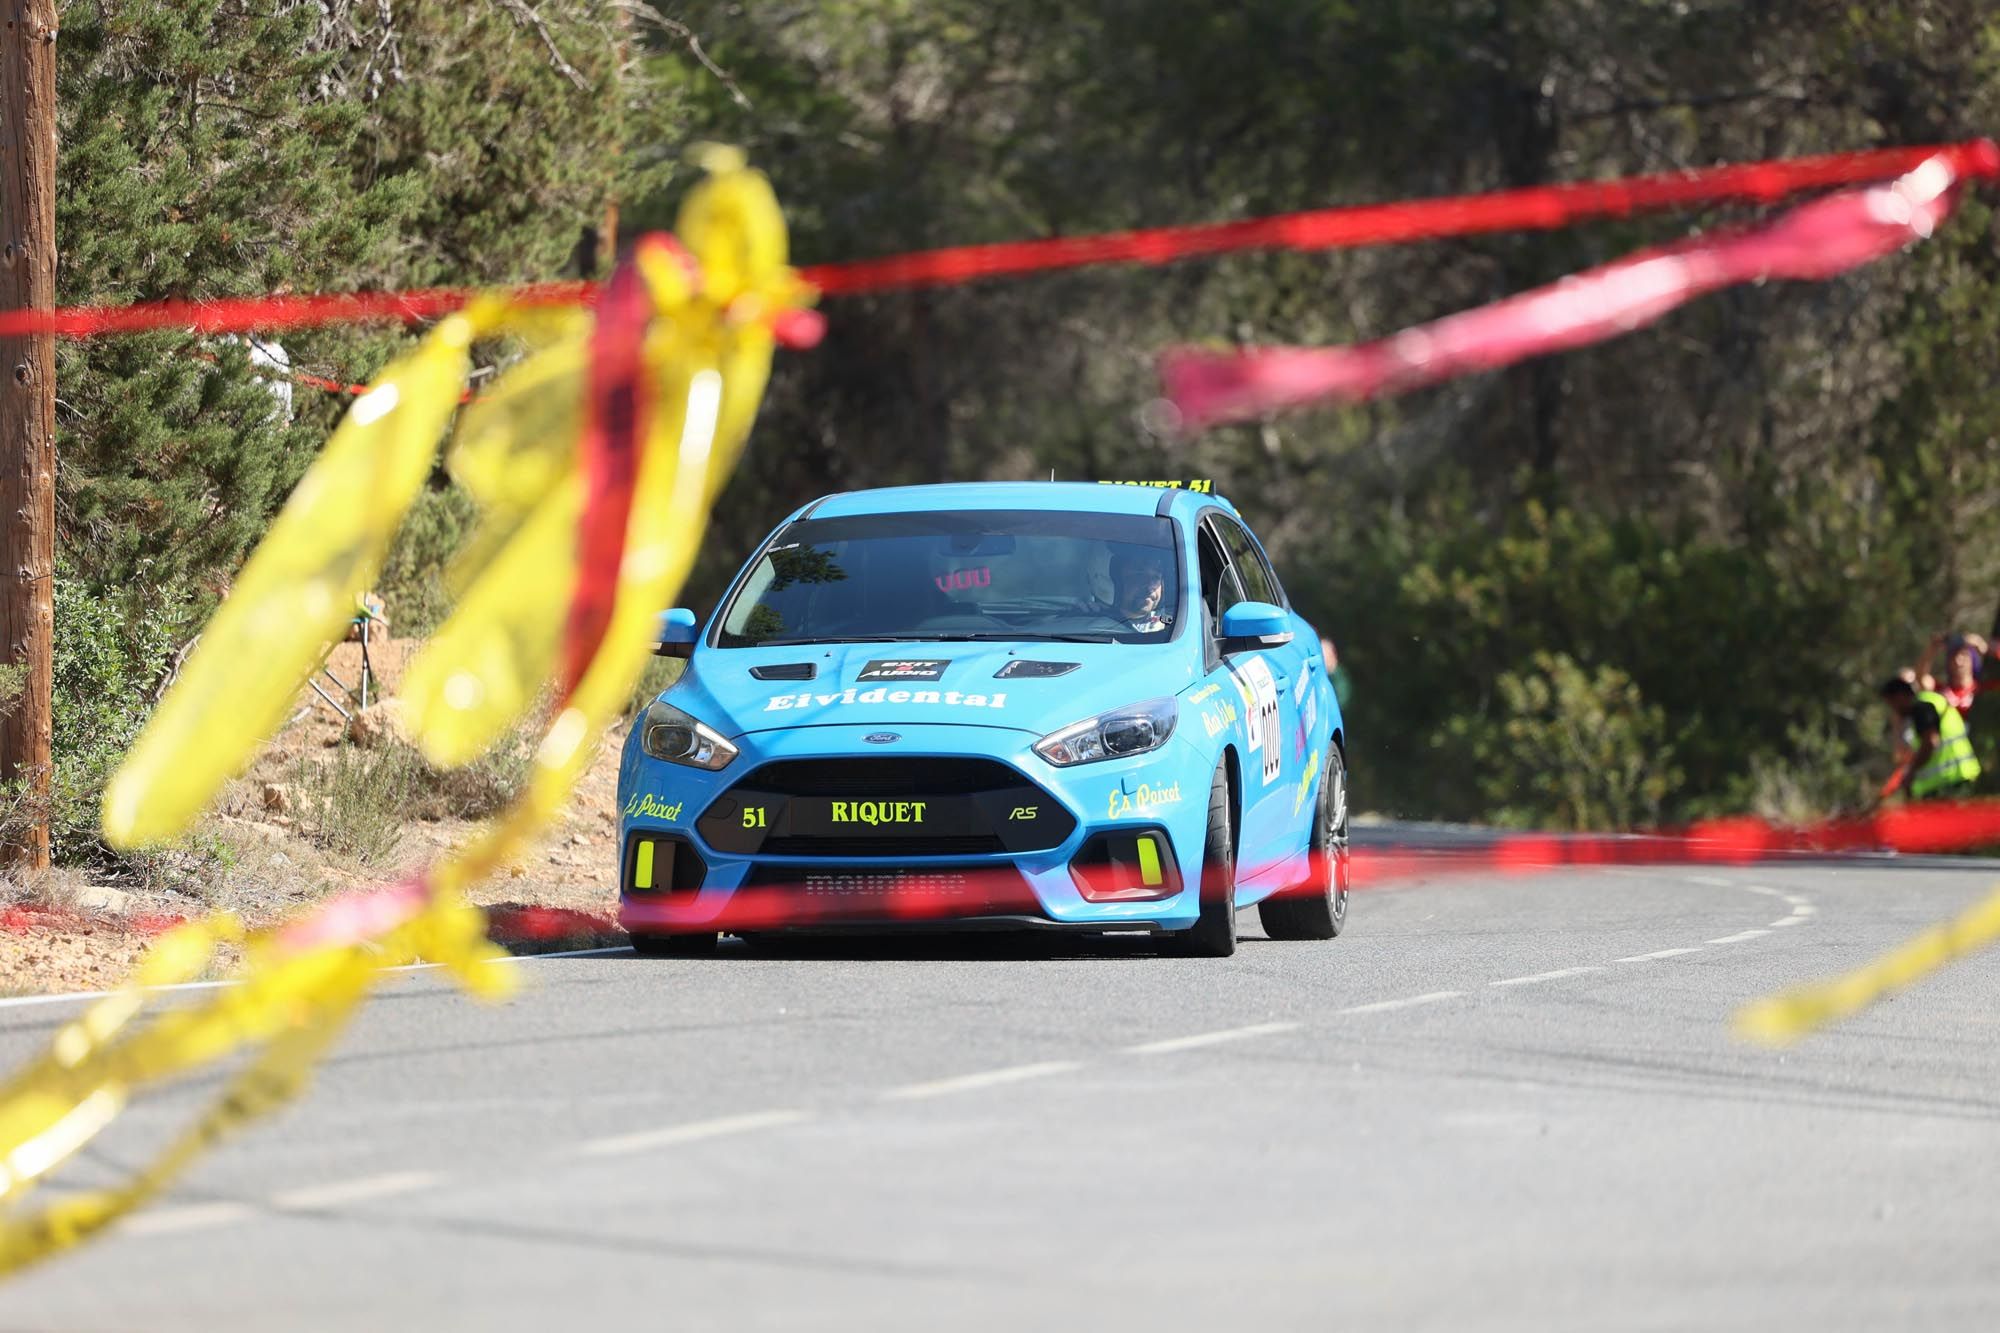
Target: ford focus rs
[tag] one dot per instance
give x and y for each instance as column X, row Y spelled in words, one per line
column 1056, row 706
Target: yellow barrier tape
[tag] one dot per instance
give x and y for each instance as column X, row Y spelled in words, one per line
column 705, row 359
column 296, row 1006
column 1781, row 1019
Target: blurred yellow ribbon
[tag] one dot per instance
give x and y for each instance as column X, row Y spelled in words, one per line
column 705, row 359
column 1781, row 1019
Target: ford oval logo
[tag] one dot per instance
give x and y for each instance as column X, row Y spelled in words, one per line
column 882, row 737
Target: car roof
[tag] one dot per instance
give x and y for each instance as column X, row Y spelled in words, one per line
column 1079, row 496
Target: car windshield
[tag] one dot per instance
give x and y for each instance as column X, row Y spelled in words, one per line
column 979, row 574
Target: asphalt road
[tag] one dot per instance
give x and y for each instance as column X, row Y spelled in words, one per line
column 1493, row 1104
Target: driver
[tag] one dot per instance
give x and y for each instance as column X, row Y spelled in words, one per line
column 1138, row 591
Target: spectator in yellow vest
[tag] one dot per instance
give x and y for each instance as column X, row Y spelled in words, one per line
column 1941, row 764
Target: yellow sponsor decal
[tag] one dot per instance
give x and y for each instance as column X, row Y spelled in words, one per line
column 1199, row 485
column 1205, row 693
column 878, row 812
column 1142, row 800
column 1305, row 784
column 644, row 805
column 1219, row 719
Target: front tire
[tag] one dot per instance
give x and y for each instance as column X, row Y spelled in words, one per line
column 1214, row 933
column 1317, row 909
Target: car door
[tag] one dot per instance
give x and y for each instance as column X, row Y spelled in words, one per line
column 1275, row 758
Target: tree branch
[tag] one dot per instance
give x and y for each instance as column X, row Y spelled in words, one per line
column 525, row 15
column 687, row 37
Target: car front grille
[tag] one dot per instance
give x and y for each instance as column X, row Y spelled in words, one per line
column 946, row 844
column 878, row 806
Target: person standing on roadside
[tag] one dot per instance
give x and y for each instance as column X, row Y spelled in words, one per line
column 1336, row 674
column 1961, row 685
column 1941, row 764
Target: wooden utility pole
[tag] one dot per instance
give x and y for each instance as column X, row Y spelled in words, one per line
column 28, row 408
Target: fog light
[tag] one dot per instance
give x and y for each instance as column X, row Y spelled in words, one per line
column 1126, row 867
column 655, row 864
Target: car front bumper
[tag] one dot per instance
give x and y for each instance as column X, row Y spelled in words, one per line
column 917, row 842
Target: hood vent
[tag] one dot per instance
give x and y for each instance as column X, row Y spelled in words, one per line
column 786, row 671
column 1021, row 668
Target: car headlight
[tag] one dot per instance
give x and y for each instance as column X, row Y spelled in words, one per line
column 668, row 733
column 1133, row 729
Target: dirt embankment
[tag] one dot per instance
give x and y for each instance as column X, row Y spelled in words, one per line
column 312, row 817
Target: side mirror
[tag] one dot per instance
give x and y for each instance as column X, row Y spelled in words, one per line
column 678, row 631
column 1248, row 626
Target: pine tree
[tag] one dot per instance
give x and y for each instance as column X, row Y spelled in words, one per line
column 214, row 148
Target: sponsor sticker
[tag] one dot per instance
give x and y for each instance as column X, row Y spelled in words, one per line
column 943, row 698
column 878, row 812
column 980, row 576
column 898, row 669
column 1199, row 485
column 1205, row 693
column 644, row 805
column 1305, row 784
column 1260, row 695
column 1219, row 719
column 1148, row 797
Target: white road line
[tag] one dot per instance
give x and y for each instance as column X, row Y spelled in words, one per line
column 1657, row 953
column 1209, row 1038
column 355, row 1191
column 189, row 1217
column 991, row 1078
column 693, row 1132
column 1546, row 976
column 1803, row 909
column 1740, row 936
column 1788, row 921
column 1767, row 892
column 560, row 953
column 17, row 1001
column 1383, row 1006
column 1711, row 881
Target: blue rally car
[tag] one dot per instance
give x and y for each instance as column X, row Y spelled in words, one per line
column 1055, row 705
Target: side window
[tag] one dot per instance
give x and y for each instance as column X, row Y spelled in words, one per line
column 1219, row 589
column 1258, row 581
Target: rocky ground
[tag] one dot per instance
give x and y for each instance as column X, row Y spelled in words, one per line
column 254, row 855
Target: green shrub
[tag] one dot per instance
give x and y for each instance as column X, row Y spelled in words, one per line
column 1573, row 748
column 111, row 649
column 355, row 802
column 413, row 576
column 476, row 790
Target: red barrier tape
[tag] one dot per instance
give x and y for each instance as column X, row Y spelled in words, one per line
column 933, row 896
column 616, row 404
column 1539, row 208
column 273, row 313
column 1911, row 829
column 21, row 918
column 1812, row 242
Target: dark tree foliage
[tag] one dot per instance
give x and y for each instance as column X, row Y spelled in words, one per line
column 1714, row 535
column 214, row 148
column 1649, row 580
